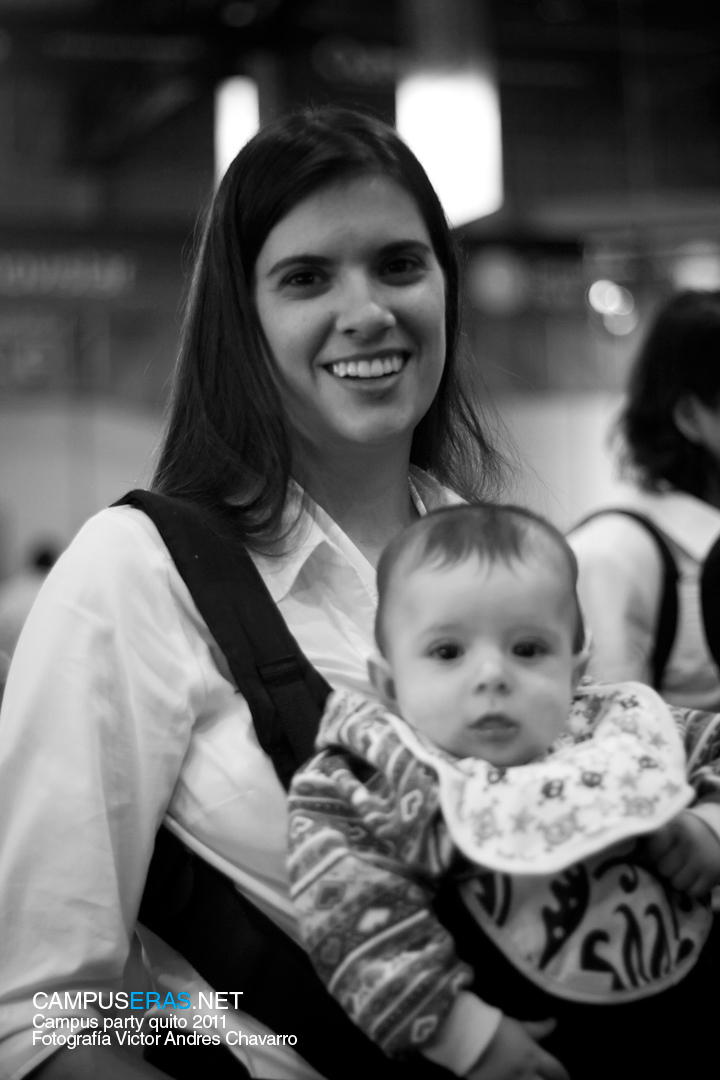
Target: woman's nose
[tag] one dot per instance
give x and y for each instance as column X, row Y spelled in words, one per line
column 362, row 310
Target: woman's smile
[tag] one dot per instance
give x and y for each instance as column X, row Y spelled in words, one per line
column 351, row 299
column 368, row 366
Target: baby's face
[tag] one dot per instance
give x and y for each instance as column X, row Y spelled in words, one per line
column 480, row 656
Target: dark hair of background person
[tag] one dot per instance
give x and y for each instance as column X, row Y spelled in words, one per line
column 227, row 432
column 491, row 532
column 680, row 356
column 43, row 556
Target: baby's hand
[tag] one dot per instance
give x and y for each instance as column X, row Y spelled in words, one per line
column 686, row 851
column 515, row 1054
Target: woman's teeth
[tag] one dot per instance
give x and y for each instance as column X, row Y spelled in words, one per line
column 367, row 369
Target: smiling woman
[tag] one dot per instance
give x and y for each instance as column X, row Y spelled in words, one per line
column 351, row 298
column 327, row 228
column 319, row 406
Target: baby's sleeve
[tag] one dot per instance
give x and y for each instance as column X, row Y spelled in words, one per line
column 367, row 922
column 701, row 735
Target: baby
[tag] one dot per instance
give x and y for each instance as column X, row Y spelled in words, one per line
column 480, row 634
column 485, row 747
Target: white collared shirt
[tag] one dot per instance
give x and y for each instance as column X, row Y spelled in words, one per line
column 118, row 707
column 620, row 586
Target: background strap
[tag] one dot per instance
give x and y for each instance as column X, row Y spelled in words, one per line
column 710, row 600
column 666, row 625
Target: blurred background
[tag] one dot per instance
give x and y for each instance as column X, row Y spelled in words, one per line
column 576, row 144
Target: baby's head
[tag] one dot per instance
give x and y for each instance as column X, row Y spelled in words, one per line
column 479, row 631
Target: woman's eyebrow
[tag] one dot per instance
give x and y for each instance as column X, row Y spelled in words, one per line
column 398, row 246
column 301, row 257
column 394, row 247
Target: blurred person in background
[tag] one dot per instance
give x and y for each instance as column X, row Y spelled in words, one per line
column 640, row 576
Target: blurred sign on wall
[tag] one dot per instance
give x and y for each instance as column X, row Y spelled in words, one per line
column 65, row 273
column 35, row 350
column 90, row 314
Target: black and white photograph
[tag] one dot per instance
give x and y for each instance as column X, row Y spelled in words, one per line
column 359, row 539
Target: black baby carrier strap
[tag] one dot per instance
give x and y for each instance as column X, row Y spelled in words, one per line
column 191, row 905
column 284, row 692
column 667, row 619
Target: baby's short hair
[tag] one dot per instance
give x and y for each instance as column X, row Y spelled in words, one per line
column 452, row 534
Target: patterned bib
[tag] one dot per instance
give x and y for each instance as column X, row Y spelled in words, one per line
column 556, row 887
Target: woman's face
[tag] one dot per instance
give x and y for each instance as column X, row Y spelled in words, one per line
column 351, row 299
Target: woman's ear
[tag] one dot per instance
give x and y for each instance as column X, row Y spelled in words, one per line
column 381, row 678
column 686, row 416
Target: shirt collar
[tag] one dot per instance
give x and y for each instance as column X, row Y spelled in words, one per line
column 302, row 516
column 428, row 493
column 316, row 529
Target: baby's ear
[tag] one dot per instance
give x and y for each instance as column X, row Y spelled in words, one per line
column 381, row 678
column 580, row 663
column 582, row 659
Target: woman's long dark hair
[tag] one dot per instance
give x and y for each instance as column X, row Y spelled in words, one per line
column 227, row 431
column 680, row 356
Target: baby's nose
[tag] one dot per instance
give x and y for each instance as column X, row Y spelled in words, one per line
column 491, row 674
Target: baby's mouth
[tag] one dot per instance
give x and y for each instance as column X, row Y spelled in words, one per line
column 374, row 367
column 495, row 724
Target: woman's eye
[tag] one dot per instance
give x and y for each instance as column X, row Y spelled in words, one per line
column 403, row 268
column 302, row 279
column 446, row 652
column 528, row 650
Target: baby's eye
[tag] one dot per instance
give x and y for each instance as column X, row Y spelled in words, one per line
column 446, row 652
column 529, row 650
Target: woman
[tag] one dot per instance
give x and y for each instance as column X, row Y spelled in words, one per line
column 319, row 396
column 671, row 430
